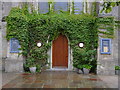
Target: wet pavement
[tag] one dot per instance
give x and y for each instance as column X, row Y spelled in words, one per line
column 7, row 77
column 62, row 79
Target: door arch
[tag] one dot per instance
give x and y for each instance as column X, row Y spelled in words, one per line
column 60, row 52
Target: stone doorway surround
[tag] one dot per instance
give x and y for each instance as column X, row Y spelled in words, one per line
column 70, row 60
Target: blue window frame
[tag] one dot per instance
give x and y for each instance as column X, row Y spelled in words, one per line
column 14, row 45
column 105, row 46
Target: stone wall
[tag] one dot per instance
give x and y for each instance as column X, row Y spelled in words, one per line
column 0, row 36
column 106, row 63
column 6, row 6
column 11, row 62
column 119, row 41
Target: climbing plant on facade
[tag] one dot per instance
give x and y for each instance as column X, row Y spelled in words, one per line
column 29, row 28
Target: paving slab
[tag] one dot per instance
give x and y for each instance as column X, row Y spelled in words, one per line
column 58, row 79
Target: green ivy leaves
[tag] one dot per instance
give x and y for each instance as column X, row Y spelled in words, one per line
column 29, row 28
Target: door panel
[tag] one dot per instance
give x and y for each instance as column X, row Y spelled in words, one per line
column 60, row 51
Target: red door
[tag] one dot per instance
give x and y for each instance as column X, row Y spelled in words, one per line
column 60, row 52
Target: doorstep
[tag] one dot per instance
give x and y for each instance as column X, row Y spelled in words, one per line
column 59, row 69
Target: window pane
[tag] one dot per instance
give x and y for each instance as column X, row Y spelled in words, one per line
column 78, row 7
column 14, row 45
column 61, row 6
column 43, row 7
column 105, row 43
column 105, row 46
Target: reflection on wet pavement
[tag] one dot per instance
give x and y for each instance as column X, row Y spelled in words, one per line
column 56, row 79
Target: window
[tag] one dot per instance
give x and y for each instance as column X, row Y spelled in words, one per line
column 14, row 45
column 78, row 7
column 105, row 46
column 61, row 6
column 43, row 7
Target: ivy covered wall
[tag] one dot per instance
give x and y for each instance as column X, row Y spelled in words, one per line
column 29, row 28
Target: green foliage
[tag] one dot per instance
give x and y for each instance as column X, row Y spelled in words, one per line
column 107, row 6
column 106, row 27
column 117, row 67
column 93, row 9
column 30, row 62
column 29, row 28
column 87, row 66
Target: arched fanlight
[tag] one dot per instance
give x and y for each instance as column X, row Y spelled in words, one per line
column 81, row 44
column 39, row 44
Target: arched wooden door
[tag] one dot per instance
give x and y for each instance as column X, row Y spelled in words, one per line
column 60, row 52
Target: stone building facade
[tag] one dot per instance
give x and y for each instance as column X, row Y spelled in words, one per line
column 12, row 63
column 106, row 63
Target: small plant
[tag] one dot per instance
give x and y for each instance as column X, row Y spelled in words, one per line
column 87, row 66
column 117, row 67
column 38, row 68
column 79, row 66
column 31, row 62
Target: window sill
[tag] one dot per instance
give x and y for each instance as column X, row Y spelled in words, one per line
column 104, row 15
column 14, row 52
column 105, row 53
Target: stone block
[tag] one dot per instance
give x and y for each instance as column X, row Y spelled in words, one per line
column 0, row 52
column 3, row 64
column 106, row 72
column 6, row 8
column 106, row 67
column 13, row 65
